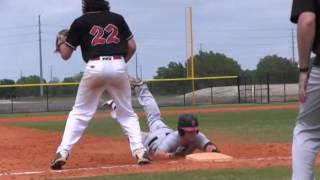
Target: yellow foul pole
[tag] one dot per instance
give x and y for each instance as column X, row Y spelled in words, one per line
column 190, row 53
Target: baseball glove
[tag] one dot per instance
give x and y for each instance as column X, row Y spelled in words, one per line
column 61, row 38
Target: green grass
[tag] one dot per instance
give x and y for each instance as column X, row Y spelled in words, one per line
column 267, row 126
column 107, row 127
column 6, row 116
column 137, row 109
column 275, row 125
column 274, row 173
column 271, row 125
column 97, row 127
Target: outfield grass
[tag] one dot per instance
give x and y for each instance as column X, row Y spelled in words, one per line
column 274, row 173
column 101, row 127
column 267, row 126
column 271, row 126
column 6, row 116
column 140, row 109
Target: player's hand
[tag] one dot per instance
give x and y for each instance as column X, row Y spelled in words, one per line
column 303, row 80
column 212, row 148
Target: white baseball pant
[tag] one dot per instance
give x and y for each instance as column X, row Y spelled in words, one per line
column 106, row 74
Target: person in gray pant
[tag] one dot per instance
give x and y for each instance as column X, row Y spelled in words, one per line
column 306, row 133
column 161, row 141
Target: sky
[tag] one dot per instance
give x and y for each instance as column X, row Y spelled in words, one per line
column 245, row 30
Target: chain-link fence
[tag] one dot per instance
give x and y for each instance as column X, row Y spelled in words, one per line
column 173, row 92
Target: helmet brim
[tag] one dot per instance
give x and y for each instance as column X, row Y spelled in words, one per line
column 190, row 129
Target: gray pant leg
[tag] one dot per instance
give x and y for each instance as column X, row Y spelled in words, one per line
column 303, row 158
column 150, row 107
column 306, row 135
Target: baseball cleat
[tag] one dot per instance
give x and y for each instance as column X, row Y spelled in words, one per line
column 110, row 104
column 60, row 160
column 134, row 82
column 142, row 156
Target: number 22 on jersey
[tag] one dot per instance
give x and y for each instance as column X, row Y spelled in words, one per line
column 99, row 35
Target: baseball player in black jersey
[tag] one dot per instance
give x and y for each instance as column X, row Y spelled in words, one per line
column 106, row 44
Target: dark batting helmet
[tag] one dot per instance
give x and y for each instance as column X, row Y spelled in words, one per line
column 95, row 5
column 187, row 123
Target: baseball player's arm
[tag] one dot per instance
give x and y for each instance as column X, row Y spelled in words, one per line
column 131, row 49
column 127, row 35
column 158, row 154
column 305, row 35
column 72, row 40
column 167, row 148
column 205, row 144
column 303, row 13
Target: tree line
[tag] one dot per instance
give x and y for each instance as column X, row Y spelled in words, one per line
column 34, row 91
column 207, row 64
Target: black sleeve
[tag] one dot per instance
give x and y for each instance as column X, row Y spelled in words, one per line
column 300, row 6
column 73, row 39
column 125, row 30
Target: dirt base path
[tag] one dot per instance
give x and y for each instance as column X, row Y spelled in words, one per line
column 27, row 153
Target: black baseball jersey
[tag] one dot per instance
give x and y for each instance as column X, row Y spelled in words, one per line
column 99, row 34
column 300, row 6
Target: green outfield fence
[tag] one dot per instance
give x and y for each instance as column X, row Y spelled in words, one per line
column 168, row 92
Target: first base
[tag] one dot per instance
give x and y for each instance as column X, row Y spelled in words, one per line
column 209, row 157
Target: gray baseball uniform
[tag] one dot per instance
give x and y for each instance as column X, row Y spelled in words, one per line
column 306, row 134
column 160, row 136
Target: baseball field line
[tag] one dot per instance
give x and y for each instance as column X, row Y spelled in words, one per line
column 66, row 170
column 128, row 166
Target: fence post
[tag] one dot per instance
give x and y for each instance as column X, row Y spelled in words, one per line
column 284, row 88
column 268, row 87
column 254, row 90
column 261, row 90
column 47, row 89
column 184, row 93
column 212, row 94
column 150, row 87
column 238, row 82
column 11, row 98
column 245, row 89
